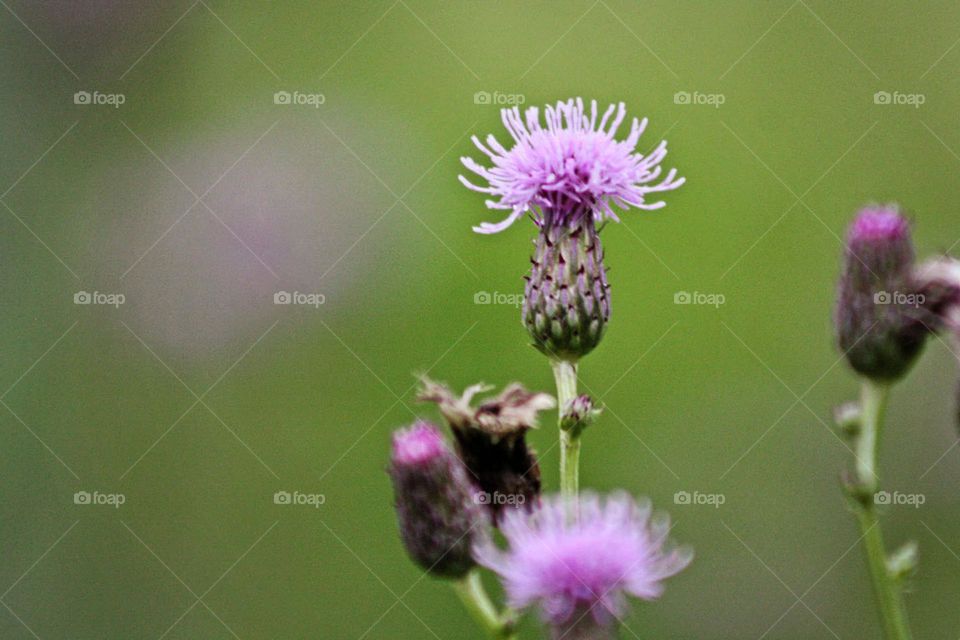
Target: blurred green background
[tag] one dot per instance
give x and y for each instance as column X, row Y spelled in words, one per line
column 198, row 398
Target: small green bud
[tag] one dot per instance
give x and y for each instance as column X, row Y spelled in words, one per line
column 578, row 414
column 847, row 417
column 860, row 494
column 902, row 563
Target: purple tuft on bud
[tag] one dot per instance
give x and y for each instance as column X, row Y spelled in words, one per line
column 439, row 516
column 880, row 316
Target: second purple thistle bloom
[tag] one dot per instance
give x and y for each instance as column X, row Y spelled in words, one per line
column 579, row 571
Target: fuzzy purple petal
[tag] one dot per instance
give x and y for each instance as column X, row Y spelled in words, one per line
column 612, row 549
column 572, row 168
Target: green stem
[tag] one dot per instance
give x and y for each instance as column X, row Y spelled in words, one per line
column 474, row 596
column 565, row 373
column 886, row 587
column 873, row 408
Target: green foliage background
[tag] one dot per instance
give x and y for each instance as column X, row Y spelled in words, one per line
column 359, row 200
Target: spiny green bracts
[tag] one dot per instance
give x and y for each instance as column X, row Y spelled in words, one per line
column 566, row 305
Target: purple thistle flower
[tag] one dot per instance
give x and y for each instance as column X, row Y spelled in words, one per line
column 574, row 168
column 579, row 570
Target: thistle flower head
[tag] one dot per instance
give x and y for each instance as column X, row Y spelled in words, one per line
column 439, row 516
column 573, row 168
column 580, row 570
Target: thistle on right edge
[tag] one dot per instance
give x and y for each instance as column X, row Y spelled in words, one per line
column 886, row 309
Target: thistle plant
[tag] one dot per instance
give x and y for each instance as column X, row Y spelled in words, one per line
column 568, row 177
column 575, row 559
column 887, row 307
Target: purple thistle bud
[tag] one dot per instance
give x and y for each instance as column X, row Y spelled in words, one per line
column 579, row 571
column 440, row 519
column 578, row 414
column 491, row 440
column 879, row 316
